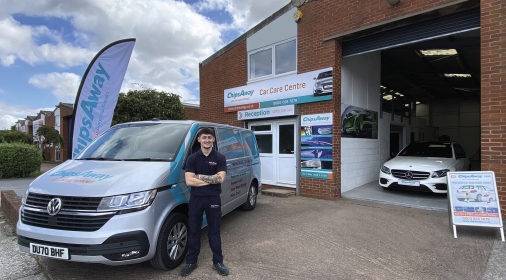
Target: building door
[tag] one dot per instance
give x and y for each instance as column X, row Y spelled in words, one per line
column 276, row 144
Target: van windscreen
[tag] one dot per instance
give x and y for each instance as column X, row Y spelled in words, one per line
column 150, row 141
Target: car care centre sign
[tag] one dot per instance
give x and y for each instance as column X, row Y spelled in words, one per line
column 294, row 89
column 473, row 199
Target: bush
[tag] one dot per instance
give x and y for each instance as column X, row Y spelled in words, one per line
column 18, row 160
column 15, row 137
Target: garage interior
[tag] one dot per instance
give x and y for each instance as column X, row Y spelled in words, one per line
column 434, row 85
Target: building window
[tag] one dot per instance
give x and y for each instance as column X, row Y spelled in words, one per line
column 274, row 60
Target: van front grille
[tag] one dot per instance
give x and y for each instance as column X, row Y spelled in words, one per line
column 72, row 221
column 69, row 203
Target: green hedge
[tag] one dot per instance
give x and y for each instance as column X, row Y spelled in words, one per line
column 18, row 160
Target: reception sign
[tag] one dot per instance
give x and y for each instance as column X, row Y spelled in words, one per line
column 316, row 146
column 289, row 90
column 473, row 199
column 288, row 110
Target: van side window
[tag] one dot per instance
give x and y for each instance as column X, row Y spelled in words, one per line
column 230, row 143
column 250, row 140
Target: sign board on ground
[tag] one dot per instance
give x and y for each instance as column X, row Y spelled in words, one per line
column 473, row 200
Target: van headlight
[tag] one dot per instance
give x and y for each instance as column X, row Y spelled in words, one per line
column 440, row 173
column 132, row 201
column 25, row 196
column 385, row 170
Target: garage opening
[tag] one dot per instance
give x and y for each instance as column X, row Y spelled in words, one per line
column 428, row 90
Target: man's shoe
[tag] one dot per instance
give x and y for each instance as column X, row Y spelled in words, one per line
column 188, row 269
column 221, row 268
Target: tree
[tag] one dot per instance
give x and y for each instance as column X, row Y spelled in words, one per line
column 146, row 104
column 48, row 136
column 13, row 127
column 15, row 137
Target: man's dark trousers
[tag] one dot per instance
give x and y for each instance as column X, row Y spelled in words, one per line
column 212, row 206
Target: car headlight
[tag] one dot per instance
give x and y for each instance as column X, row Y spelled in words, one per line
column 135, row 201
column 440, row 173
column 385, row 170
column 25, row 196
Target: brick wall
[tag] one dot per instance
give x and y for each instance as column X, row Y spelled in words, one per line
column 226, row 71
column 49, row 152
column 493, row 93
column 192, row 113
column 65, row 114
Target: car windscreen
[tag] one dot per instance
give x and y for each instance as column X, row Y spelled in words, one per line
column 324, row 75
column 427, row 150
column 140, row 141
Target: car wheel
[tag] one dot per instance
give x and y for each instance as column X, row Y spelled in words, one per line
column 172, row 244
column 478, row 198
column 251, row 201
column 357, row 127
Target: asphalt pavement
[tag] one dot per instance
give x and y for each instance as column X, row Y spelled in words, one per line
column 306, row 238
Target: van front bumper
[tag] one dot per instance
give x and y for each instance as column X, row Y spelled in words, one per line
column 111, row 249
column 122, row 234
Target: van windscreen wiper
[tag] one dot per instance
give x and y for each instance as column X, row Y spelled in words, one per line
column 101, row 158
column 145, row 159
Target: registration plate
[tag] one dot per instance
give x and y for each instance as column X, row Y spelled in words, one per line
column 49, row 251
column 409, row 183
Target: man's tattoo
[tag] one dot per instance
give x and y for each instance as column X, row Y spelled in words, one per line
column 211, row 179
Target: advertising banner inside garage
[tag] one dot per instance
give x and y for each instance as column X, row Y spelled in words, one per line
column 316, row 146
column 294, row 89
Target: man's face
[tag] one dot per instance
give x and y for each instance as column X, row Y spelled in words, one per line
column 206, row 141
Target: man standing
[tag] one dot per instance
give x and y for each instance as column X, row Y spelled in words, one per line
column 205, row 171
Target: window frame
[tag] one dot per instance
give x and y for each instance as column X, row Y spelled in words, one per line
column 273, row 61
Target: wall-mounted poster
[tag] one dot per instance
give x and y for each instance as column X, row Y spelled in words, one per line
column 357, row 122
column 316, row 146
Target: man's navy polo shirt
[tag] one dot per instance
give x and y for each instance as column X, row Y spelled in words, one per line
column 198, row 163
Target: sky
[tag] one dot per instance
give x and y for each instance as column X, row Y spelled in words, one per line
column 46, row 45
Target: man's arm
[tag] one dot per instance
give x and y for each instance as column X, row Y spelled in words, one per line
column 213, row 179
column 192, row 181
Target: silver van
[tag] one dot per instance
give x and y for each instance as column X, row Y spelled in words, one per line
column 124, row 199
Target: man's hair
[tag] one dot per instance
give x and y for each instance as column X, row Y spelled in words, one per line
column 206, row 130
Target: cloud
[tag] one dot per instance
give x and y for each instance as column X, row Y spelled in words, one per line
column 18, row 42
column 64, row 85
column 11, row 114
column 172, row 38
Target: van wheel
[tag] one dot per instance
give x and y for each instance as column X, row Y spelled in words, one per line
column 172, row 244
column 251, row 202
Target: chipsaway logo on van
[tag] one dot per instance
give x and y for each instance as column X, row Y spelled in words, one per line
column 90, row 174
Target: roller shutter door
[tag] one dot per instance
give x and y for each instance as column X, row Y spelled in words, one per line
column 422, row 31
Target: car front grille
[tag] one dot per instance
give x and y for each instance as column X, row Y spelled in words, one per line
column 415, row 175
column 76, row 214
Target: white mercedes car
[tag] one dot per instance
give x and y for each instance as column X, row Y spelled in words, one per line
column 422, row 166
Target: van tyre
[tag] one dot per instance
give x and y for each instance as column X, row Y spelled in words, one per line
column 251, row 201
column 172, row 244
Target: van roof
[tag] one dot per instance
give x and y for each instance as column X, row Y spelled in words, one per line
column 200, row 123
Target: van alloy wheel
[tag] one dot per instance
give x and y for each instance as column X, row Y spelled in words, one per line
column 251, row 200
column 172, row 242
column 177, row 241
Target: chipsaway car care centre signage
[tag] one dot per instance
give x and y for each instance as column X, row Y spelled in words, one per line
column 316, row 146
column 473, row 200
column 288, row 90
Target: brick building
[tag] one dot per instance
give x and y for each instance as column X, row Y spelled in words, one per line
column 421, row 69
